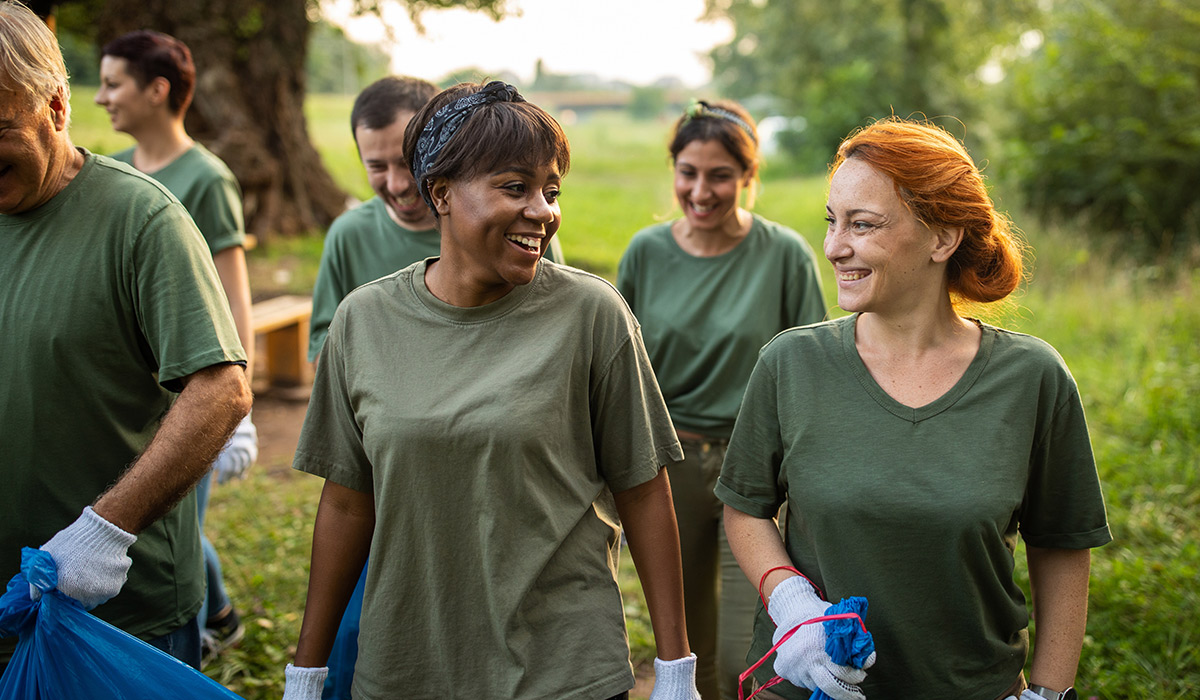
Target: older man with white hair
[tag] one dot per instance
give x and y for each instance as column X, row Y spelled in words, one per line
column 122, row 374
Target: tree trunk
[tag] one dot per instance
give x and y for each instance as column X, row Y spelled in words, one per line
column 249, row 101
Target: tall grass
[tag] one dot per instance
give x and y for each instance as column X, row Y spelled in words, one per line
column 1128, row 332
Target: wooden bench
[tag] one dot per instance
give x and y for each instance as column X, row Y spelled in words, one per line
column 283, row 322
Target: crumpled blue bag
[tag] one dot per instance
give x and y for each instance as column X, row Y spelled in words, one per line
column 65, row 652
column 846, row 641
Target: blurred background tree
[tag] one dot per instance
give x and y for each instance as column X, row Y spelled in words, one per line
column 251, row 58
column 1103, row 119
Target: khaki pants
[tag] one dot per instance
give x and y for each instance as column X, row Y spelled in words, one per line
column 720, row 601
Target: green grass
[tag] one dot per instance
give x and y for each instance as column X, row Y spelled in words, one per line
column 1128, row 332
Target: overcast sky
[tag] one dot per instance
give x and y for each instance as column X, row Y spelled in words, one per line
column 634, row 40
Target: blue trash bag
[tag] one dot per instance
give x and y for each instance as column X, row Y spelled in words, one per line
column 846, row 640
column 66, row 652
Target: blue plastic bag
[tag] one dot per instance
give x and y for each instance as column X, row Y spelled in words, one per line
column 65, row 652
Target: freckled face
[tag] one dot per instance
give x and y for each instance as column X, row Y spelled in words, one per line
column 708, row 185
column 382, row 153
column 881, row 253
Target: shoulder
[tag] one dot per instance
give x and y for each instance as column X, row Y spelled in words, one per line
column 650, row 237
column 781, row 237
column 825, row 337
column 1029, row 355
column 126, row 182
column 356, row 217
column 205, row 162
column 125, row 156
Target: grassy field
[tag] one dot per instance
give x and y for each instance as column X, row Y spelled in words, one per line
column 1128, row 331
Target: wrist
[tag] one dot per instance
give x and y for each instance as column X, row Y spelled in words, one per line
column 794, row 600
column 92, row 531
column 1049, row 694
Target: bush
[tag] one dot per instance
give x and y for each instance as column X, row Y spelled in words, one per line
column 1105, row 120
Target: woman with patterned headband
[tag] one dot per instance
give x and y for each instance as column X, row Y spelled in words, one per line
column 710, row 288
column 486, row 422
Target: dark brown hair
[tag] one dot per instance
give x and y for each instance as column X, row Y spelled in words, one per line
column 377, row 105
column 938, row 182
column 495, row 134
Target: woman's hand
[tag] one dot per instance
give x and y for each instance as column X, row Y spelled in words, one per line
column 802, row 659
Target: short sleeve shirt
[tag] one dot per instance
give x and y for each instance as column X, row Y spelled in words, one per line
column 109, row 298
column 491, row 439
column 208, row 190
column 705, row 318
column 917, row 509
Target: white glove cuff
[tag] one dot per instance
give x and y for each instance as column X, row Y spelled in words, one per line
column 91, row 532
column 675, row 678
column 302, row 682
column 793, row 601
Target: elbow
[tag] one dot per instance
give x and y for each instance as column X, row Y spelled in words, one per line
column 241, row 398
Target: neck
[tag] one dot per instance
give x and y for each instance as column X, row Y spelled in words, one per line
column 711, row 242
column 445, row 282
column 912, row 332
column 160, row 144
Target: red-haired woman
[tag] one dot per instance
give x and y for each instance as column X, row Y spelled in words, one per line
column 912, row 444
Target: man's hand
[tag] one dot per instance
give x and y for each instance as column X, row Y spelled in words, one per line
column 90, row 554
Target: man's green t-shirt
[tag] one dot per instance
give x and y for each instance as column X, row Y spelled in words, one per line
column 917, row 509
column 705, row 318
column 208, row 190
column 109, row 298
column 362, row 245
column 492, row 439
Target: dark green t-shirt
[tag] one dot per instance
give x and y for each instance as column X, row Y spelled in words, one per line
column 491, row 438
column 917, row 509
column 362, row 245
column 705, row 318
column 109, row 298
column 208, row 190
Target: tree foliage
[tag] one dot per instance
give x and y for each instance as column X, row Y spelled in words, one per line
column 335, row 64
column 842, row 64
column 1105, row 117
column 250, row 85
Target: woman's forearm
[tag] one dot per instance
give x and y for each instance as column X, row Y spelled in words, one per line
column 648, row 518
column 341, row 542
column 758, row 548
column 1059, row 582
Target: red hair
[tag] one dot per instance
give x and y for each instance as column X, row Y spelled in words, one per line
column 938, row 182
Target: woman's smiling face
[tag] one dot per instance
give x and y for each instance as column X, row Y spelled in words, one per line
column 882, row 255
column 496, row 226
column 708, row 185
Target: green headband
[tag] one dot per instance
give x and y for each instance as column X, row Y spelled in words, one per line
column 699, row 109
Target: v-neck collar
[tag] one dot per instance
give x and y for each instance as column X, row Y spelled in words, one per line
column 945, row 401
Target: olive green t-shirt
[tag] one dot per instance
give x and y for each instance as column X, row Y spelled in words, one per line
column 208, row 190
column 917, row 509
column 109, row 298
column 492, row 439
column 362, row 245
column 705, row 318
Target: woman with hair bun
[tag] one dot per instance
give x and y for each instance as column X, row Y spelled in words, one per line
column 710, row 288
column 912, row 444
column 487, row 424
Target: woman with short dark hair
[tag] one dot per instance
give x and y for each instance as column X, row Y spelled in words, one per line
column 487, row 422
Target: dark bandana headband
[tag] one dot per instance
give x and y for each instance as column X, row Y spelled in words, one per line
column 446, row 121
column 700, row 108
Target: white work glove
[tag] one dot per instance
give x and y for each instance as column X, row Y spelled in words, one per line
column 300, row 683
column 238, row 454
column 91, row 558
column 1027, row 695
column 802, row 660
column 675, row 680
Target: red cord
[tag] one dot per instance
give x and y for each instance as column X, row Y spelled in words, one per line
column 776, row 679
